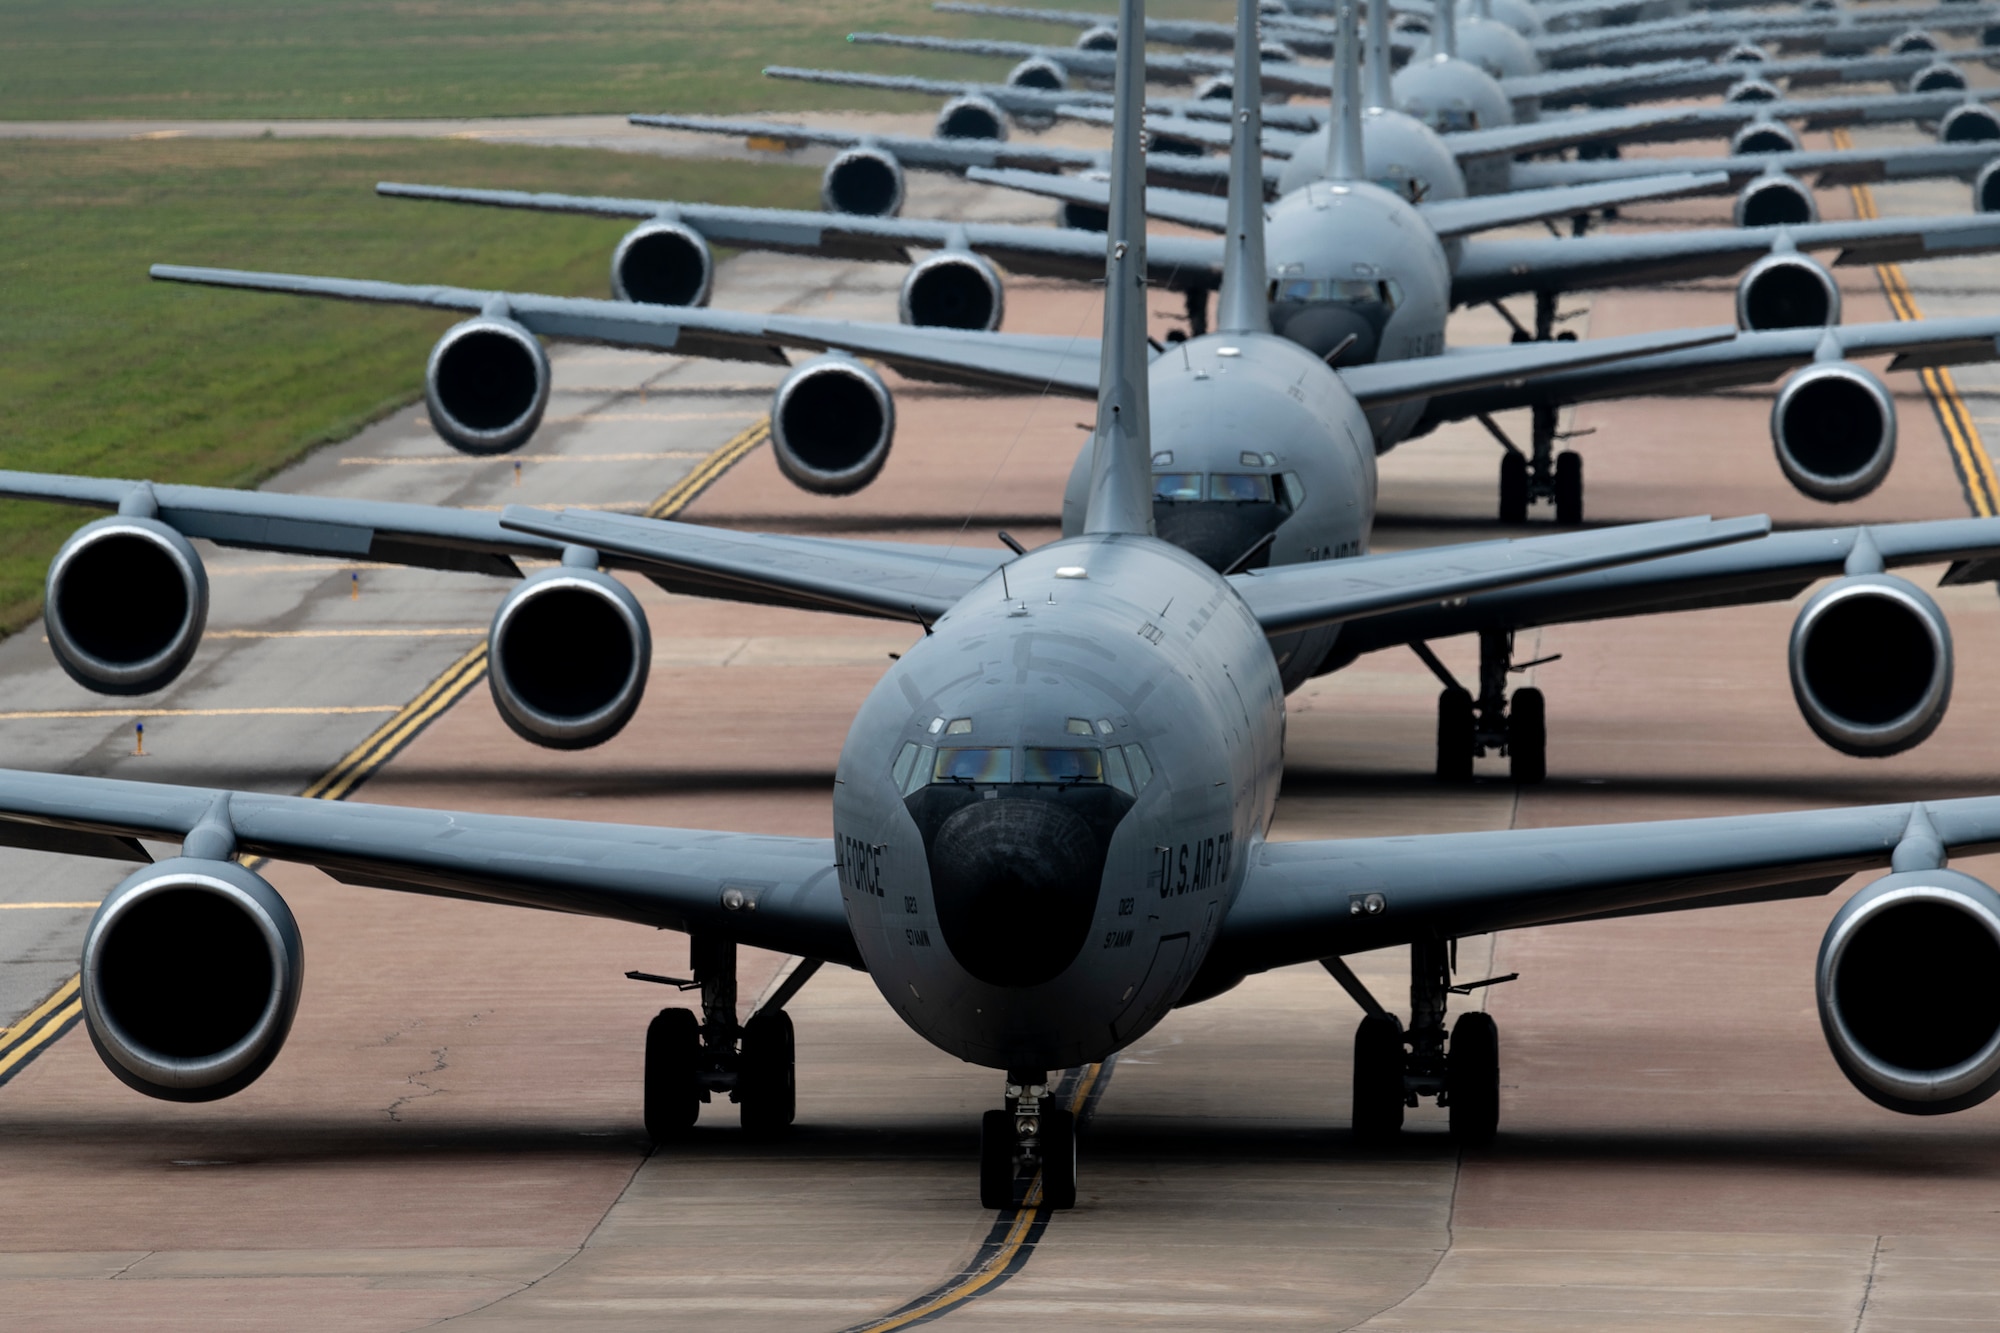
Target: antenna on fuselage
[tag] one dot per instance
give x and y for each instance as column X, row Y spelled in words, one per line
column 1378, row 55
column 1343, row 140
column 1121, row 469
column 1444, row 30
column 1244, row 306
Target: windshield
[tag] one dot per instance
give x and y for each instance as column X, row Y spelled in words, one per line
column 1347, row 291
column 1177, row 485
column 1062, row 766
column 982, row 765
column 1239, row 486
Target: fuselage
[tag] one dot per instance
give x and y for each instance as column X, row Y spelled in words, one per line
column 1042, row 811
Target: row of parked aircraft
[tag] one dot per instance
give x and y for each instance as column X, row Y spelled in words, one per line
column 1035, row 867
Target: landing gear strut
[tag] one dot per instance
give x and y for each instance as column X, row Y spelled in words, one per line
column 1539, row 473
column 689, row 1059
column 1492, row 723
column 1030, row 1135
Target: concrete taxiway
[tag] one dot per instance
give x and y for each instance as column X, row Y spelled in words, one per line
column 452, row 1133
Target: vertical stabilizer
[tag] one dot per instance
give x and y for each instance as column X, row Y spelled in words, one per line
column 1244, row 307
column 1378, row 55
column 1343, row 140
column 1121, row 472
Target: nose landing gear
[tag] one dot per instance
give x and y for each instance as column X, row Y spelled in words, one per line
column 1032, row 1135
column 1539, row 473
column 1491, row 724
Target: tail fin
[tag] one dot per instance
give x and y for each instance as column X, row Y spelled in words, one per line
column 1121, row 469
column 1243, row 307
column 1343, row 141
column 1378, row 55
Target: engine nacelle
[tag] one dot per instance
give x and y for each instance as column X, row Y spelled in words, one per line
column 1752, row 90
column 1871, row 665
column 1906, row 994
column 1039, row 72
column 1776, row 199
column 1745, row 53
column 1940, row 76
column 862, row 180
column 1083, row 217
column 1969, row 122
column 1834, row 427
column 191, row 975
column 1986, row 188
column 125, row 604
column 832, row 423
column 487, row 385
column 663, row 263
column 1103, row 37
column 1215, row 88
column 1277, row 53
column 1764, row 136
column 970, row 117
column 1914, row 42
column 953, row 289
column 1786, row 290
column 567, row 657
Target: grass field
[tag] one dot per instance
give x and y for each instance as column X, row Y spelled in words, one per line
column 65, row 59
column 104, row 371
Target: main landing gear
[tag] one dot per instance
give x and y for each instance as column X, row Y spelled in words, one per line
column 1539, row 474
column 1032, row 1134
column 1394, row 1067
column 1491, row 724
column 690, row 1059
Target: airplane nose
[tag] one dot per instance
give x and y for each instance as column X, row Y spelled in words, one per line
column 1217, row 532
column 1016, row 885
column 1321, row 328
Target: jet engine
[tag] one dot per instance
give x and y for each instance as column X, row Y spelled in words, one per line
column 1089, row 217
column 1752, row 90
column 1775, row 199
column 1215, row 88
column 862, row 180
column 487, row 385
column 567, row 657
column 663, row 263
column 1986, row 188
column 1969, row 122
column 1871, row 665
column 1764, row 136
column 1834, row 427
column 1912, row 42
column 1786, row 290
column 970, row 117
column 1906, row 994
column 953, row 289
column 1103, row 37
column 1939, row 76
column 125, row 604
column 1745, row 53
column 191, row 975
column 831, row 425
column 1038, row 72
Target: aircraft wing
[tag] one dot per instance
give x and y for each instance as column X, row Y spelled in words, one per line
column 1461, row 217
column 909, row 149
column 1825, row 168
column 1506, row 369
column 1207, row 211
column 1008, row 97
column 1011, row 361
column 1494, row 268
column 885, row 580
column 1047, row 252
column 1289, row 598
column 1541, row 136
column 1747, row 358
column 786, row 890
column 1303, row 901
column 1575, row 84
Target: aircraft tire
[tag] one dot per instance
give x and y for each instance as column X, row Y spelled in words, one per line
column 1058, row 1138
column 1569, row 488
column 1513, row 488
column 1378, row 1079
column 672, row 1091
column 1472, row 1079
column 1455, row 736
column 996, row 1160
column 766, row 1085
column 1528, row 736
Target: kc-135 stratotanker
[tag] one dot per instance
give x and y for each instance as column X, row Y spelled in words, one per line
column 1050, row 822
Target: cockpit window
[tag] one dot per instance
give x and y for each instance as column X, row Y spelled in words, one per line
column 1242, row 487
column 906, row 758
column 1077, row 726
column 1062, row 766
column 1346, row 291
column 1116, row 772
column 974, row 766
column 1142, row 768
column 960, row 726
column 1177, row 485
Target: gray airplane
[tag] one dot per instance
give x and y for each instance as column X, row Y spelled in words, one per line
column 1049, row 828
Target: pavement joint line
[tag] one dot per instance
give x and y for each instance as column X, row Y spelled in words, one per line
column 29, row 907
column 1976, row 473
column 1015, row 1233
column 489, row 460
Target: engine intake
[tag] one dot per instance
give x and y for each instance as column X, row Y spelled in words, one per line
column 1752, row 90
column 663, row 263
column 1906, row 993
column 1215, row 88
column 1039, row 72
column 1969, row 122
column 865, row 181
column 568, row 656
column 1938, row 77
column 1871, row 665
column 1912, row 42
column 487, row 385
column 125, row 604
column 831, row 425
column 191, row 975
column 1986, row 188
column 953, row 290
column 1834, row 427
column 1745, row 53
column 1764, row 136
column 1787, row 290
column 970, row 117
column 1103, row 37
column 1776, row 199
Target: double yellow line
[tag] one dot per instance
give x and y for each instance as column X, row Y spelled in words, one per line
column 1976, row 473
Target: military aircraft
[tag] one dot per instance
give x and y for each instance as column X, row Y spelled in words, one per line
column 1033, row 867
